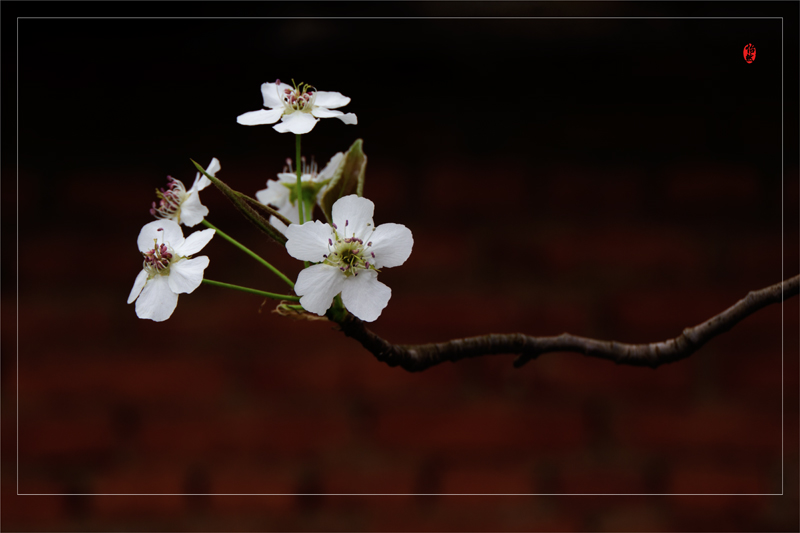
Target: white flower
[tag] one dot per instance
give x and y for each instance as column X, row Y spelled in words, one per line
column 299, row 108
column 281, row 193
column 349, row 256
column 182, row 206
column 167, row 270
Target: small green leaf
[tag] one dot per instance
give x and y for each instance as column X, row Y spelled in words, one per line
column 247, row 207
column 347, row 179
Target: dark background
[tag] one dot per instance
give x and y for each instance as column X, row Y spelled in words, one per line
column 613, row 178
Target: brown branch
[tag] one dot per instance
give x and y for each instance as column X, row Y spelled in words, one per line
column 421, row 356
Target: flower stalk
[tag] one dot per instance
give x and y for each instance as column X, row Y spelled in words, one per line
column 300, row 199
column 250, row 253
column 266, row 294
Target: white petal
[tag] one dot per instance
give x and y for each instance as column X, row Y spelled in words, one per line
column 291, row 212
column 213, row 167
column 353, row 216
column 330, row 99
column 278, row 225
column 262, row 116
column 324, row 112
column 187, row 274
column 308, row 242
column 273, row 93
column 194, row 242
column 317, row 285
column 291, row 178
column 201, row 181
column 349, row 118
column 138, row 285
column 160, row 231
column 156, row 301
column 391, row 244
column 365, row 296
column 330, row 168
column 298, row 123
column 276, row 194
column 192, row 211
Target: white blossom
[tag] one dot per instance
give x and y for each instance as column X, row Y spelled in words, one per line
column 299, row 108
column 350, row 253
column 182, row 206
column 167, row 270
column 281, row 193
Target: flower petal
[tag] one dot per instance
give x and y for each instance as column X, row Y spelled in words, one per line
column 391, row 244
column 194, row 242
column 192, row 211
column 273, row 93
column 297, row 122
column 330, row 99
column 324, row 112
column 276, row 194
column 290, row 178
column 262, row 116
column 353, row 216
column 289, row 211
column 187, row 274
column 280, row 226
column 200, row 181
column 317, row 285
column 365, row 296
column 308, row 242
column 160, row 231
column 349, row 118
column 138, row 285
column 330, row 168
column 156, row 301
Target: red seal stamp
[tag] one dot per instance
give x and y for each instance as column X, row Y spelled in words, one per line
column 749, row 53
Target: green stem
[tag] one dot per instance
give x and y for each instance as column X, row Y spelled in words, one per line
column 299, row 181
column 300, row 199
column 252, row 291
column 249, row 252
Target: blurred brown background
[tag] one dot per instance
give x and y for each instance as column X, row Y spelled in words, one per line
column 613, row 178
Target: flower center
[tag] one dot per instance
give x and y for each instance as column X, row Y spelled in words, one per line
column 305, row 167
column 169, row 200
column 157, row 260
column 301, row 98
column 309, row 180
column 349, row 254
